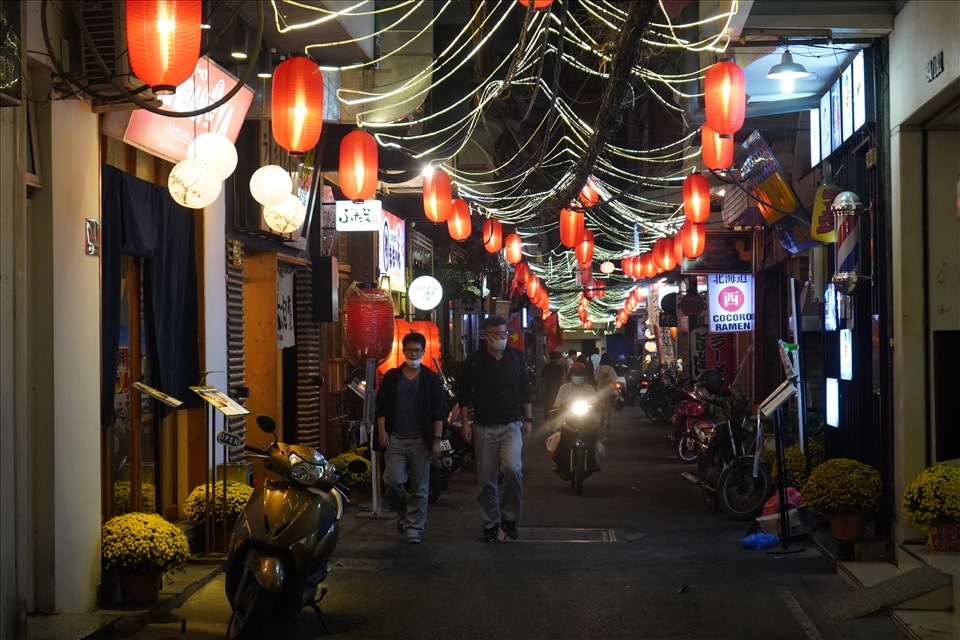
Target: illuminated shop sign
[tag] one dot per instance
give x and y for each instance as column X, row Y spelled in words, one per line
column 843, row 110
column 731, row 302
column 393, row 250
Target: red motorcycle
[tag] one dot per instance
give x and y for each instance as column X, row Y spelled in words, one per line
column 686, row 415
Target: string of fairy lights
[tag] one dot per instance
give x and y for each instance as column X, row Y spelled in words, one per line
column 638, row 184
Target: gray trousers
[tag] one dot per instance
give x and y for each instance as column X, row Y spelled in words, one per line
column 409, row 458
column 498, row 448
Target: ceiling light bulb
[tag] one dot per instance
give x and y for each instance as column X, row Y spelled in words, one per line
column 787, row 72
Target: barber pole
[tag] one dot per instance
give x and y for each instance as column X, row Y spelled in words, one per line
column 846, row 210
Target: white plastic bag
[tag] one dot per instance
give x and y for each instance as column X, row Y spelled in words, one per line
column 552, row 441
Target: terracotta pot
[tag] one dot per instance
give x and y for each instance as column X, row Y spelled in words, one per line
column 848, row 527
column 946, row 537
column 139, row 587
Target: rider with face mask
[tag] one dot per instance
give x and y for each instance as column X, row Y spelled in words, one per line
column 411, row 406
column 577, row 389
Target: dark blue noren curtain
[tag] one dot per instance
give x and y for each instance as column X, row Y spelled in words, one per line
column 141, row 220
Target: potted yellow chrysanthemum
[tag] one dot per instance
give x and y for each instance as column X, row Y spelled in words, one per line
column 847, row 491
column 932, row 504
column 354, row 471
column 226, row 505
column 121, row 497
column 142, row 547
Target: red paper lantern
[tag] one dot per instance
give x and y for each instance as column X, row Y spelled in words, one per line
column 395, row 358
column 297, row 104
column 537, row 4
column 696, row 198
column 665, row 249
column 492, row 235
column 599, row 288
column 533, row 287
column 431, row 351
column 514, row 249
column 584, row 249
column 368, row 325
column 678, row 246
column 649, row 265
column 163, row 41
column 588, row 324
column 571, row 227
column 521, row 272
column 694, row 240
column 458, row 224
column 626, row 264
column 589, row 195
column 437, row 196
column 717, row 152
column 725, row 97
column 358, row 166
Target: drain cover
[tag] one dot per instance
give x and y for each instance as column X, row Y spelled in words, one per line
column 887, row 593
column 560, row 534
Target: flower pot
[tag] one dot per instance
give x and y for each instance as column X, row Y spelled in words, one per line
column 848, row 527
column 946, row 537
column 139, row 587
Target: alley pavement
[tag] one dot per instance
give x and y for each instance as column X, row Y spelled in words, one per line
column 638, row 555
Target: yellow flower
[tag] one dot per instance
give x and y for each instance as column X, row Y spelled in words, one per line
column 143, row 542
column 196, row 505
column 795, row 463
column 352, row 468
column 843, row 486
column 933, row 497
column 121, row 497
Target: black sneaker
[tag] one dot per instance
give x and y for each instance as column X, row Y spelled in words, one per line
column 490, row 533
column 510, row 529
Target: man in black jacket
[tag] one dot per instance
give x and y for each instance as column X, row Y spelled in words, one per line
column 411, row 406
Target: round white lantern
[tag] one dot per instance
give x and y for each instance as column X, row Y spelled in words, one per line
column 650, row 346
column 286, row 216
column 217, row 150
column 425, row 293
column 607, row 267
column 270, row 184
column 192, row 183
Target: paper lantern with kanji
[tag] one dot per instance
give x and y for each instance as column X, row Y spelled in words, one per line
column 492, row 235
column 571, row 227
column 395, row 358
column 513, row 248
column 297, row 104
column 589, row 195
column 458, row 224
column 431, row 352
column 163, row 41
column 368, row 325
column 358, row 166
column 696, row 198
column 437, row 196
column 694, row 240
column 717, row 152
column 725, row 97
column 584, row 249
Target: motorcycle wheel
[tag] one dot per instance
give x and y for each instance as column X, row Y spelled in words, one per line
column 579, row 470
column 252, row 606
column 741, row 496
column 687, row 448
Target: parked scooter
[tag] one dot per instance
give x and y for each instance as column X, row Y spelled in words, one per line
column 283, row 538
column 455, row 452
column 576, row 453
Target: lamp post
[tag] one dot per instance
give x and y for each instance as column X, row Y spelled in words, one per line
column 846, row 210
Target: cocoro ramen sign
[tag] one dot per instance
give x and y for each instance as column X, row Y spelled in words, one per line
column 731, row 302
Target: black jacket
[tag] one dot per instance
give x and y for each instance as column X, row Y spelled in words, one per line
column 432, row 405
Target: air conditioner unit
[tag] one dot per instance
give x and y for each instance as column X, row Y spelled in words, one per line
column 106, row 24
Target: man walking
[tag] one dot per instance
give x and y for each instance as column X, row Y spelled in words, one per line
column 411, row 406
column 494, row 382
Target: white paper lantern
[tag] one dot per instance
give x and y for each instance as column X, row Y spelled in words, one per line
column 270, row 185
column 287, row 216
column 192, row 184
column 217, row 150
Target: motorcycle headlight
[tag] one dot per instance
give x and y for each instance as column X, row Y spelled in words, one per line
column 304, row 472
column 579, row 408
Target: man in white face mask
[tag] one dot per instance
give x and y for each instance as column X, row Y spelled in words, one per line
column 411, row 405
column 494, row 381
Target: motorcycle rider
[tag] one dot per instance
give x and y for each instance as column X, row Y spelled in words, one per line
column 570, row 392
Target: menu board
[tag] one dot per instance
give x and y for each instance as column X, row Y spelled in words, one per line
column 825, row 149
column 836, row 117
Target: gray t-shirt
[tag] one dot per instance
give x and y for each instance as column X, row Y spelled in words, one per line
column 405, row 411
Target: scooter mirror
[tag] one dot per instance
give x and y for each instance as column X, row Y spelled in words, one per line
column 266, row 424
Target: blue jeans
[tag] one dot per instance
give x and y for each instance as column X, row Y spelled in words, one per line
column 498, row 448
column 409, row 458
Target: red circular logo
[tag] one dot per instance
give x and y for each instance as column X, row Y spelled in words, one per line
column 730, row 299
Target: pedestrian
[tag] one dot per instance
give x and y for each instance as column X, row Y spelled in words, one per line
column 606, row 376
column 571, row 358
column 411, row 407
column 493, row 381
column 551, row 377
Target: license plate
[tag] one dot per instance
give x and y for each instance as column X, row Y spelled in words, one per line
column 643, row 391
column 445, row 445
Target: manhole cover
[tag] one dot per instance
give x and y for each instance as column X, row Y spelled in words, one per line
column 560, row 534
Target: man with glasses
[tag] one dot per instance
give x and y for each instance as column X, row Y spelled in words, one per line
column 494, row 382
column 411, row 406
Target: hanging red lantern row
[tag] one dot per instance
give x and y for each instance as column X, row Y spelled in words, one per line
column 589, row 195
column 163, row 41
column 431, row 350
column 537, row 4
column 297, row 104
column 694, row 240
column 437, row 196
column 584, row 249
column 492, row 235
column 368, row 323
column 696, row 198
column 395, row 358
column 358, row 166
column 717, row 152
column 725, row 97
column 513, row 248
column 571, row 227
column 458, row 224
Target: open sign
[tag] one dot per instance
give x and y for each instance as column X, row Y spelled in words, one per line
column 229, row 439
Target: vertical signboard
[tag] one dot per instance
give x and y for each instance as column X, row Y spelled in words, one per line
column 731, row 302
column 392, row 250
column 722, row 356
column 846, row 354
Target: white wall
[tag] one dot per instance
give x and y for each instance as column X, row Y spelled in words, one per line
column 215, row 302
